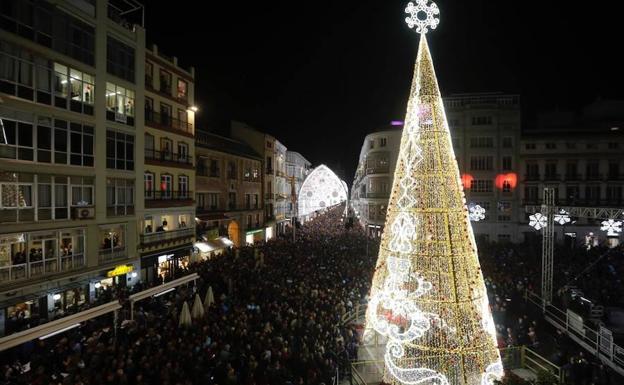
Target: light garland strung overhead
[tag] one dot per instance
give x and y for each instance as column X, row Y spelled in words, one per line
column 428, row 296
column 612, row 227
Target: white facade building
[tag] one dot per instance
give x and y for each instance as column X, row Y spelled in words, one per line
column 297, row 169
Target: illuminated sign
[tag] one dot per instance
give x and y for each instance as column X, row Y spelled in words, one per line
column 120, row 270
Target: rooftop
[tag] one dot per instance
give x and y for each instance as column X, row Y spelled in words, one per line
column 208, row 140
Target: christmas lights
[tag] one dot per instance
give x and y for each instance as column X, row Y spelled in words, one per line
column 321, row 189
column 612, row 227
column 428, row 297
column 562, row 218
column 476, row 212
column 538, row 221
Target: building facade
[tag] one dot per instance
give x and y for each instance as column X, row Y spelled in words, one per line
column 71, row 163
column 167, row 230
column 297, row 169
column 485, row 130
column 580, row 157
column 229, row 190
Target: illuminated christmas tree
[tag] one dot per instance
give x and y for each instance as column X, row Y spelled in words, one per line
column 428, row 296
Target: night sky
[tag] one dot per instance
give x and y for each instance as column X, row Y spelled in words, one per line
column 321, row 74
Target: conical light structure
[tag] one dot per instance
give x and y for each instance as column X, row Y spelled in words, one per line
column 428, row 295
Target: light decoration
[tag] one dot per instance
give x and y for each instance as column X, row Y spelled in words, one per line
column 428, row 296
column 467, row 180
column 538, row 221
column 612, row 227
column 510, row 180
column 476, row 212
column 321, row 189
column 562, row 217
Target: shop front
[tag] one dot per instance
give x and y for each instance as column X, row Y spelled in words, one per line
column 253, row 236
column 165, row 265
column 211, row 248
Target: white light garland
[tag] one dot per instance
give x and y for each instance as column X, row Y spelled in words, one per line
column 430, row 12
column 562, row 218
column 538, row 221
column 476, row 212
column 612, row 227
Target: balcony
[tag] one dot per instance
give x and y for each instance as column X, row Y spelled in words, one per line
column 111, row 254
column 168, row 158
column 532, row 177
column 149, row 82
column 572, row 177
column 168, row 198
column 167, row 122
column 164, row 236
column 41, row 268
column 552, row 177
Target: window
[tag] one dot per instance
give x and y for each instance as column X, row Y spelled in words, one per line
column 592, row 193
column 614, row 170
column 382, row 142
column 532, row 171
column 551, row 170
column 571, row 170
column 182, row 89
column 480, row 186
column 371, row 144
column 614, row 194
column 214, row 168
column 166, row 148
column 614, row 145
column 269, row 165
column 530, row 193
column 507, row 142
column 119, row 59
column 248, row 201
column 592, row 146
column 81, row 191
column 119, row 103
column 149, row 75
column 481, row 162
column 256, row 201
column 572, row 193
column 119, row 150
column 148, row 179
column 592, row 169
column 506, row 163
column 481, row 120
column 249, row 221
column 231, row 169
column 19, row 140
column 165, row 114
column 166, row 186
column 570, row 145
column 183, row 152
column 232, row 200
column 183, row 186
column 530, row 146
column 165, row 82
column 119, row 197
column 506, row 186
column 112, row 238
column 481, row 142
column 551, row 146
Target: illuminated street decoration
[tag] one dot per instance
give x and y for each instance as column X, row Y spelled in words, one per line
column 612, row 227
column 428, row 296
column 321, row 189
column 538, row 221
column 476, row 212
column 562, row 218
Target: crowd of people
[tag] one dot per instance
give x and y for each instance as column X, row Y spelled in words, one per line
column 276, row 320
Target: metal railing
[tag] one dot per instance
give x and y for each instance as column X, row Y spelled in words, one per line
column 41, row 268
column 160, row 236
column 169, row 195
column 168, row 156
column 111, row 254
column 164, row 120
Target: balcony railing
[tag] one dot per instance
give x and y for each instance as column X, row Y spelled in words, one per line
column 532, row 177
column 168, row 195
column 160, row 236
column 158, row 120
column 41, row 268
column 552, row 177
column 169, row 157
column 111, row 254
column 587, row 202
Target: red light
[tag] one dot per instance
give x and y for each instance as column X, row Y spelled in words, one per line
column 466, row 180
column 163, row 186
column 510, row 179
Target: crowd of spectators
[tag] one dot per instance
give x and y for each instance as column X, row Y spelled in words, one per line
column 276, row 320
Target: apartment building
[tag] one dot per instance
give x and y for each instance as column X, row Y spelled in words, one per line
column 229, row 190
column 297, row 169
column 71, row 163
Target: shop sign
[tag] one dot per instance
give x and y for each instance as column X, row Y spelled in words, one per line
column 255, row 231
column 120, row 270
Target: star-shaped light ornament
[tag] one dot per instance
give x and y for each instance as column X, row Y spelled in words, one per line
column 538, row 221
column 476, row 212
column 422, row 15
column 563, row 217
column 612, row 227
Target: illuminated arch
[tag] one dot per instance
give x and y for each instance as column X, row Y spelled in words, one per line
column 321, row 189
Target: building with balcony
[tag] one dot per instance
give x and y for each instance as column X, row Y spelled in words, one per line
column 297, row 169
column 580, row 156
column 275, row 184
column 228, row 190
column 70, row 179
column 485, row 130
column 167, row 228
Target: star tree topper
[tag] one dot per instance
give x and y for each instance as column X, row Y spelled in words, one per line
column 422, row 16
